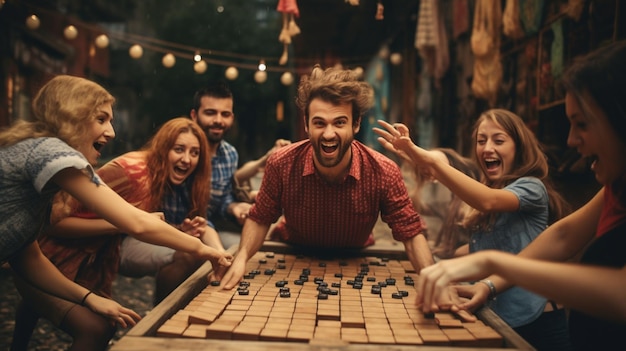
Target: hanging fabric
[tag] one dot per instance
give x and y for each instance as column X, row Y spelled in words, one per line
column 485, row 45
column 511, row 23
column 431, row 39
column 289, row 9
column 460, row 16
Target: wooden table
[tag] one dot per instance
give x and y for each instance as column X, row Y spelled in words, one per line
column 149, row 333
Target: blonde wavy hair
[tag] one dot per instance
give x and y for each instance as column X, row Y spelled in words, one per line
column 62, row 108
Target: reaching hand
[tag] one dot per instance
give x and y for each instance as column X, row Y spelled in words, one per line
column 194, row 227
column 220, row 260
column 112, row 310
column 234, row 274
column 240, row 211
column 394, row 138
column 434, row 280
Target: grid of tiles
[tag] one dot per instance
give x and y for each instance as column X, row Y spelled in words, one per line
column 283, row 297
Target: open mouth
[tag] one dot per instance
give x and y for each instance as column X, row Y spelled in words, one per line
column 492, row 163
column 180, row 171
column 98, row 146
column 329, row 147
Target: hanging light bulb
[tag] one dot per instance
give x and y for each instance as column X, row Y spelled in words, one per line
column 395, row 58
column 168, row 60
column 70, row 32
column 33, row 22
column 135, row 51
column 286, row 78
column 260, row 77
column 262, row 66
column 197, row 57
column 102, row 41
column 200, row 66
column 359, row 71
column 231, row 73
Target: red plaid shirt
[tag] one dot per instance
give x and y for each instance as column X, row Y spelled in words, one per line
column 319, row 214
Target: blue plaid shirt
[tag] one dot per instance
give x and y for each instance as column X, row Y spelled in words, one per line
column 223, row 167
column 175, row 205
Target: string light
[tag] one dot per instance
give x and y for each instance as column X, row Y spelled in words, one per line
column 200, row 67
column 70, row 32
column 260, row 77
column 135, row 51
column 197, row 57
column 169, row 60
column 102, row 41
column 171, row 51
column 33, row 22
column 231, row 73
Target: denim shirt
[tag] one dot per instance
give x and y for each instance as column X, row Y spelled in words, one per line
column 512, row 232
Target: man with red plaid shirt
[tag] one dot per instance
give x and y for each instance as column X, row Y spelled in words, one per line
column 329, row 190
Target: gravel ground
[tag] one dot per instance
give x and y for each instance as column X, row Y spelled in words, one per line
column 131, row 292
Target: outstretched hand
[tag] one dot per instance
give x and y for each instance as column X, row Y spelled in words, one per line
column 194, row 227
column 434, row 281
column 395, row 138
column 220, row 260
column 112, row 310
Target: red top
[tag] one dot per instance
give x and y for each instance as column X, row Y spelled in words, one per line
column 613, row 212
column 319, row 214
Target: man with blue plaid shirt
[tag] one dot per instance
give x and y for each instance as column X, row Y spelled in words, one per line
column 213, row 111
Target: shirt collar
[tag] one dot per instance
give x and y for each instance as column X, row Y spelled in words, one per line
column 355, row 170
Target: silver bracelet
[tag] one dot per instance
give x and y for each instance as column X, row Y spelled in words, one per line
column 492, row 288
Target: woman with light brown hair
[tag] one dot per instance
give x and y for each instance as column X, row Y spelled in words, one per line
column 512, row 203
column 166, row 180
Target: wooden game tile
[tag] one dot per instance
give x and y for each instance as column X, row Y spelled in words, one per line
column 459, row 337
column 254, row 319
column 181, row 315
column 277, row 323
column 268, row 334
column 304, row 316
column 249, row 297
column 305, row 310
column 197, row 331
column 303, row 324
column 329, row 324
column 237, row 307
column 354, row 335
column 281, row 315
column 232, row 315
column 327, row 332
column 435, row 338
column 259, row 311
column 449, row 323
column 221, row 329
column 289, row 308
column 399, row 325
column 408, row 339
column 169, row 329
column 489, row 338
column 328, row 314
column 211, row 305
column 299, row 335
column 265, row 298
column 200, row 317
column 193, row 304
column 352, row 320
column 379, row 338
column 350, row 301
column 247, row 332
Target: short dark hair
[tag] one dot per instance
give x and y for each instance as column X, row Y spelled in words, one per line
column 218, row 89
